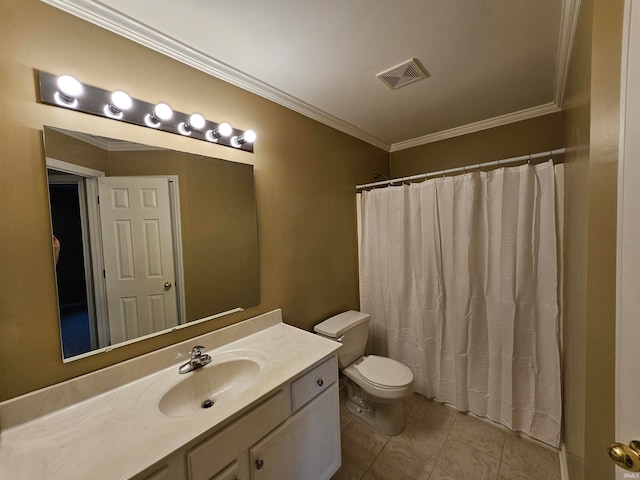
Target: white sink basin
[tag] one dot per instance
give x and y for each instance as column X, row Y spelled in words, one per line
column 217, row 382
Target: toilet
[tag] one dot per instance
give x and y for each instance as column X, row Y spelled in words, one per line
column 375, row 385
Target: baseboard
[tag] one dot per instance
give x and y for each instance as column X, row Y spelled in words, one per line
column 564, row 468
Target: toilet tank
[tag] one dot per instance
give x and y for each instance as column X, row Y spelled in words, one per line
column 351, row 328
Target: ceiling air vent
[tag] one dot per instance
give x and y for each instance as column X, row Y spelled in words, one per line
column 404, row 74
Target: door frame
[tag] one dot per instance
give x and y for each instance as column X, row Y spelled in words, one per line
column 628, row 231
column 94, row 242
column 87, row 249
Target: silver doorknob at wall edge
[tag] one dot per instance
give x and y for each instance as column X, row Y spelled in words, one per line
column 626, row 456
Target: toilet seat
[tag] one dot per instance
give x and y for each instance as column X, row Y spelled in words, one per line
column 384, row 372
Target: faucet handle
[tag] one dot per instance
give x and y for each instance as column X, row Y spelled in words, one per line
column 197, row 350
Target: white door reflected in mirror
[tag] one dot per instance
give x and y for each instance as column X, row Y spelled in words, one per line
column 135, row 215
column 114, row 257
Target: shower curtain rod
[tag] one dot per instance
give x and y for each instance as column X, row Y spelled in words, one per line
column 522, row 158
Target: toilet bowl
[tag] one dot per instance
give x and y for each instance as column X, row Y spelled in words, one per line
column 382, row 378
column 375, row 385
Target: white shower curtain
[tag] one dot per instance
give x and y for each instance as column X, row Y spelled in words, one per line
column 460, row 276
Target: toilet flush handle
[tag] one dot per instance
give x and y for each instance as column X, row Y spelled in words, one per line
column 340, row 339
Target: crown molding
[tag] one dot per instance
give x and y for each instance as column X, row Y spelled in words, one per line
column 84, row 137
column 125, row 26
column 478, row 126
column 104, row 143
column 103, row 16
column 568, row 25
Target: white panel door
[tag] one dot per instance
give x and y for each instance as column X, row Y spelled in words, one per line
column 628, row 316
column 135, row 216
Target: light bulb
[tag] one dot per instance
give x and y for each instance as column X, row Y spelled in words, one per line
column 223, row 130
column 69, row 86
column 120, row 102
column 195, row 122
column 247, row 137
column 161, row 112
column 68, row 89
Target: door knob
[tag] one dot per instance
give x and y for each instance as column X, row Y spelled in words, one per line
column 168, row 285
column 626, row 456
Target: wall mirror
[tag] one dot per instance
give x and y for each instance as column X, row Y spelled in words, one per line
column 146, row 239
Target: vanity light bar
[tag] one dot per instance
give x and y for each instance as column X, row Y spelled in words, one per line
column 67, row 92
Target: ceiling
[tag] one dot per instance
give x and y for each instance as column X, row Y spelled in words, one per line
column 490, row 62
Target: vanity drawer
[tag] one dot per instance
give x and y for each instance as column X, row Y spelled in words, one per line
column 229, row 473
column 162, row 474
column 218, row 451
column 314, row 382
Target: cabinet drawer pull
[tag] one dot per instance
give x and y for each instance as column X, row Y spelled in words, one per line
column 320, row 382
column 259, row 464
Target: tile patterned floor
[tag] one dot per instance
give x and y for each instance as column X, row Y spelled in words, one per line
column 439, row 443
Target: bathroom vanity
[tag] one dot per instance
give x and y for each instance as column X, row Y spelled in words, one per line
column 266, row 407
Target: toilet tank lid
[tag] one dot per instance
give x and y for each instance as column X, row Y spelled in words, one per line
column 335, row 326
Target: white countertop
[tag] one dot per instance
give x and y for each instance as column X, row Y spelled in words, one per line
column 118, row 433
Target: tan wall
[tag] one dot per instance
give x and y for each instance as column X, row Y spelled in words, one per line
column 70, row 150
column 305, row 177
column 592, row 100
column 520, row 138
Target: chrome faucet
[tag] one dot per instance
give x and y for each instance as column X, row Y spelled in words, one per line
column 198, row 359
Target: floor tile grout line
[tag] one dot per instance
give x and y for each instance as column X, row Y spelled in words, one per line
column 377, row 455
column 504, row 445
column 445, row 442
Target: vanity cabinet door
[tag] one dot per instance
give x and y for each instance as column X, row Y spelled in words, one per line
column 305, row 447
